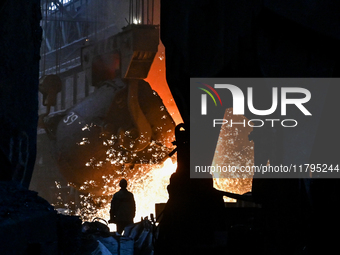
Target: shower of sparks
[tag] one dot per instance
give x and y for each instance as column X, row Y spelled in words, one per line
column 148, row 184
column 87, row 127
column 148, row 181
column 84, row 141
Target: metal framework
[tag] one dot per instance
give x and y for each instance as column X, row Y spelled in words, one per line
column 67, row 26
column 70, row 24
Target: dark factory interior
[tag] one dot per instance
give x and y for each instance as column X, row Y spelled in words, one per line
column 95, row 91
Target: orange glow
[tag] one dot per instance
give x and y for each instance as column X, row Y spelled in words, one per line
column 157, row 78
column 148, row 183
column 157, row 81
column 148, row 188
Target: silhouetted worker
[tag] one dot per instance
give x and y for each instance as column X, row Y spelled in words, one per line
column 123, row 207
